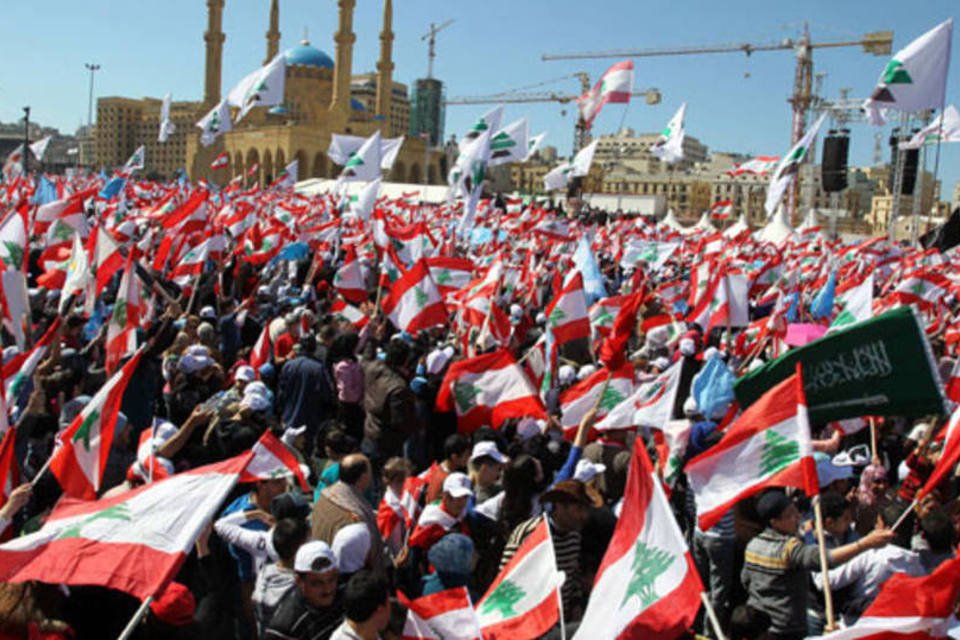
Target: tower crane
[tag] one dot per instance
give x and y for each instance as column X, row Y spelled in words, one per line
column 877, row 43
column 431, row 38
column 520, row 95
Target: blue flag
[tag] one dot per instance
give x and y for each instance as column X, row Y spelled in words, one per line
column 46, row 191
column 586, row 263
column 794, row 299
column 713, row 388
column 112, row 188
column 822, row 304
column 292, row 251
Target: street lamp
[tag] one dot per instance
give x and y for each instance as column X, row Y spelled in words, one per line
column 92, row 68
column 26, row 138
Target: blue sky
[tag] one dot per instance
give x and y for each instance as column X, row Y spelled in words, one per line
column 734, row 102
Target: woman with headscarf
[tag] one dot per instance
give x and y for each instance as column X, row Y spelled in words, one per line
column 872, row 497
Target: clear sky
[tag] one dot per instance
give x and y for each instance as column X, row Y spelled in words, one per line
column 735, row 102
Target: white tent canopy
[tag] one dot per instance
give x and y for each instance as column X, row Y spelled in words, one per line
column 704, row 224
column 670, row 220
column 777, row 230
column 434, row 194
column 737, row 227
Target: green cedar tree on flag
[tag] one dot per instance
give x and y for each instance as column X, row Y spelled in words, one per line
column 916, row 77
column 488, row 390
column 582, row 396
column 523, row 600
column 669, row 146
column 510, row 144
column 647, row 585
column 768, row 445
column 650, row 405
column 856, row 305
column 364, row 165
column 787, row 170
column 414, row 302
column 79, row 461
column 125, row 320
column 567, row 314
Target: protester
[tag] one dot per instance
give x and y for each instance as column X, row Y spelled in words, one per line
column 313, row 609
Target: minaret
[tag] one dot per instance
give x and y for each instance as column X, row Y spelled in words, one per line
column 344, row 39
column 385, row 67
column 273, row 33
column 214, row 38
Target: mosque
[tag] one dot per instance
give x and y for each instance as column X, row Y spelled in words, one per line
column 321, row 97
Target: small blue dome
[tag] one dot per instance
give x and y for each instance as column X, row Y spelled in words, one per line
column 356, row 105
column 305, row 55
column 278, row 110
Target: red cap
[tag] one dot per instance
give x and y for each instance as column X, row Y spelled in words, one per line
column 175, row 606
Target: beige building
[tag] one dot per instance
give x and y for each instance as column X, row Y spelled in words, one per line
column 632, row 150
column 123, row 124
column 321, row 97
column 363, row 89
column 956, row 195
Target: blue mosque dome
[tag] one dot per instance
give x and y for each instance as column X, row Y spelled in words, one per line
column 356, row 105
column 305, row 55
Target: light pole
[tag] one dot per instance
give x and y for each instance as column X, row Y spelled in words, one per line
column 26, row 139
column 92, row 68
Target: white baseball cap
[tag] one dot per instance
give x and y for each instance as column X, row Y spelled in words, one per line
column 458, row 485
column 488, row 449
column 587, row 470
column 245, row 373
column 315, row 556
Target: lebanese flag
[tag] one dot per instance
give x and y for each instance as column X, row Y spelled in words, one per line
column 79, row 461
column 349, row 280
column 759, row 166
column 721, row 210
column 123, row 325
column 450, row 274
column 222, row 161
column 447, row 614
column 414, row 302
column 925, row 288
column 9, row 470
column 613, row 350
column 726, row 303
column 134, row 542
column 107, row 259
column 650, row 405
column 404, row 509
column 767, row 446
column 487, row 390
column 567, row 315
column 190, row 216
column 647, row 585
column 349, row 313
column 191, row 264
column 910, row 608
column 523, row 601
column 262, row 351
column 576, row 401
column 614, row 86
column 603, row 313
column 60, row 209
column 19, row 369
column 953, row 384
column 272, row 459
column 949, row 456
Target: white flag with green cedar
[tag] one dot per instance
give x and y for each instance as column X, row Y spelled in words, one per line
column 261, row 88
column 856, row 305
column 215, row 123
column 510, row 144
column 364, row 165
column 944, row 128
column 786, row 172
column 487, row 123
column 669, row 146
column 916, row 77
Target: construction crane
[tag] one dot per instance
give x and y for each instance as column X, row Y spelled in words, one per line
column 431, row 38
column 651, row 96
column 877, row 43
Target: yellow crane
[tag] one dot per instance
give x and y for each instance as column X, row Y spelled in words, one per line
column 877, row 43
column 651, row 96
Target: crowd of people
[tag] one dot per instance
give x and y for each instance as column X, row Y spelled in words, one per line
column 401, row 497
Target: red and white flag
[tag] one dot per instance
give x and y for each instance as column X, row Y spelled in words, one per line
column 487, row 390
column 450, row 274
column 567, row 316
column 650, row 405
column 125, row 320
column 759, row 166
column 414, row 302
column 79, row 461
column 272, row 459
column 614, row 86
column 134, row 542
column 910, row 608
column 647, row 585
column 349, row 280
column 767, row 446
column 577, row 400
column 403, row 509
column 523, row 601
column 446, row 614
column 721, row 210
column 948, row 456
column 222, row 161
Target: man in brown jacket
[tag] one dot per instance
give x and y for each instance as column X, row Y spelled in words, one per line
column 343, row 503
column 389, row 404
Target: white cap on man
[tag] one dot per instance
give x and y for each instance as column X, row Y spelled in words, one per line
column 315, row 556
column 488, row 449
column 458, row 485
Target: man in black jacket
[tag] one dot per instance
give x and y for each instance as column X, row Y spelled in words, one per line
column 312, row 610
column 305, row 391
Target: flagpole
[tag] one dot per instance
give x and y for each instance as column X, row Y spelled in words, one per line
column 824, row 566
column 903, row 516
column 712, row 615
column 135, row 620
column 563, row 623
column 936, row 159
column 873, row 441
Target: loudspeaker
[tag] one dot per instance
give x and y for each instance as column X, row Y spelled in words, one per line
column 833, row 166
column 910, row 159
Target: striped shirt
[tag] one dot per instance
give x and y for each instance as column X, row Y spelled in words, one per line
column 776, row 574
column 566, row 547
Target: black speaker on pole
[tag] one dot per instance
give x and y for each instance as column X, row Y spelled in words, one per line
column 910, row 159
column 833, row 166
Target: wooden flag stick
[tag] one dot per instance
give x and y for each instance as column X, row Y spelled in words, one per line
column 824, row 565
